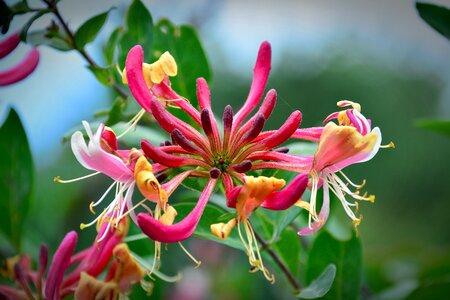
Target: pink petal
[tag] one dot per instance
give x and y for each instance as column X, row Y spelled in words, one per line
column 93, row 157
column 135, row 77
column 260, row 76
column 60, row 263
column 284, row 132
column 9, row 44
column 169, row 160
column 308, row 134
column 179, row 231
column 203, row 94
column 21, row 70
column 165, row 91
column 288, row 196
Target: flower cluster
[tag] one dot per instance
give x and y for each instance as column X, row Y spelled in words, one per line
column 230, row 155
column 83, row 270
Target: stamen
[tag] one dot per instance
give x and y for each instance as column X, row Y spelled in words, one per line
column 249, row 243
column 357, row 186
column 390, row 145
column 146, row 267
column 197, row 262
column 132, row 123
column 59, row 180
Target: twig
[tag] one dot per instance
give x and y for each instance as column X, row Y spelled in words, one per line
column 52, row 6
column 279, row 262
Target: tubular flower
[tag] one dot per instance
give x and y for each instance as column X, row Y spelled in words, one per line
column 351, row 141
column 22, row 69
column 77, row 273
column 127, row 168
column 222, row 157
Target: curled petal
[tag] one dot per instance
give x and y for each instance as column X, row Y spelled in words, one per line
column 179, row 231
column 323, row 215
column 93, row 157
column 21, row 70
column 60, row 263
column 341, row 146
column 288, row 196
column 9, row 44
column 135, row 77
column 260, row 76
column 232, row 196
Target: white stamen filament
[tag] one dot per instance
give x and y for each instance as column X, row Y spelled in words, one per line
column 132, row 123
column 197, row 262
column 59, row 180
column 251, row 245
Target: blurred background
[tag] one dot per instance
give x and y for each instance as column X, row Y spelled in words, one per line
column 377, row 53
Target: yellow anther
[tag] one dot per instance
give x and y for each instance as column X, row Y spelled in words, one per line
column 390, row 145
column 91, row 207
column 155, row 72
column 168, row 64
column 169, row 216
column 222, row 230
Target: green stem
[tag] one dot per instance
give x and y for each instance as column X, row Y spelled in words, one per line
column 290, row 277
column 53, row 7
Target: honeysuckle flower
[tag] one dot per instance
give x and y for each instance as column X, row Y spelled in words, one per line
column 352, row 141
column 78, row 273
column 22, row 69
column 225, row 158
column 127, row 168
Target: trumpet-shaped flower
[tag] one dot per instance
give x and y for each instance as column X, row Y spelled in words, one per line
column 222, row 157
column 78, row 273
column 351, row 141
column 126, row 167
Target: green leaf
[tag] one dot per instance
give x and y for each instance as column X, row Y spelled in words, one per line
column 441, row 126
column 110, row 47
column 116, row 114
column 89, row 30
column 16, row 178
column 139, row 32
column 436, row 16
column 40, row 37
column 346, row 256
column 288, row 248
column 140, row 23
column 210, row 216
column 183, row 43
column 103, row 74
column 319, row 286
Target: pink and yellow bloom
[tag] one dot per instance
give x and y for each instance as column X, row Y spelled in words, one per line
column 225, row 158
column 351, row 141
